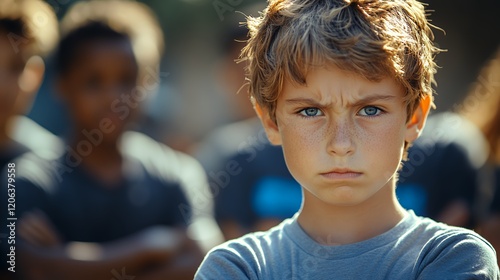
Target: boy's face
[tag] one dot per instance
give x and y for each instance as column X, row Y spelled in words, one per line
column 342, row 135
column 11, row 67
column 98, row 86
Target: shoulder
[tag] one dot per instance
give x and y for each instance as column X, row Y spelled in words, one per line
column 225, row 141
column 42, row 172
column 180, row 172
column 239, row 133
column 454, row 252
column 35, row 137
column 159, row 159
column 242, row 258
column 440, row 236
column 168, row 166
column 36, row 180
column 450, row 127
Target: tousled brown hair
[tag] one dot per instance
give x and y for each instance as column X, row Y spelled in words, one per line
column 372, row 38
column 31, row 24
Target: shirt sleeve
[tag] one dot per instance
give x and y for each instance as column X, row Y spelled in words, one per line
column 32, row 183
column 459, row 187
column 458, row 256
column 224, row 264
column 196, row 210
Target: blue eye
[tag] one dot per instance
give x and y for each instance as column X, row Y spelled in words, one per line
column 310, row 112
column 370, row 111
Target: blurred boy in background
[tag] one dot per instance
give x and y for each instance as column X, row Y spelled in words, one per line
column 482, row 108
column 28, row 30
column 439, row 178
column 114, row 202
column 226, row 140
column 262, row 192
column 453, row 170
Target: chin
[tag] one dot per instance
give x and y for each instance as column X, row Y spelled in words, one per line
column 341, row 196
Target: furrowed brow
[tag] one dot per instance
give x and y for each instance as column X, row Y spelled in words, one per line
column 371, row 99
column 361, row 101
column 307, row 101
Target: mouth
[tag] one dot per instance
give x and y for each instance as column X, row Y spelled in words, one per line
column 341, row 174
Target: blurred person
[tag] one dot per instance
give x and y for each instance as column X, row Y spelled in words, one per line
column 113, row 203
column 228, row 139
column 482, row 108
column 262, row 176
column 260, row 193
column 489, row 227
column 439, row 178
column 444, row 176
column 28, row 30
column 452, row 171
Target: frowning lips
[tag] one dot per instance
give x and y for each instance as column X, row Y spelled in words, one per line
column 341, row 173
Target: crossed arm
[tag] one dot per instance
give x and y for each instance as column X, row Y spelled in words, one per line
column 155, row 253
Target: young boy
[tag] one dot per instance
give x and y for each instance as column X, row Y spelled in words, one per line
column 28, row 30
column 345, row 87
column 114, row 204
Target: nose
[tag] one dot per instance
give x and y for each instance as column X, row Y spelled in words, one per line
column 111, row 94
column 115, row 92
column 340, row 137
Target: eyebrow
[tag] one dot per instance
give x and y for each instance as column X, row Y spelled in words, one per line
column 365, row 100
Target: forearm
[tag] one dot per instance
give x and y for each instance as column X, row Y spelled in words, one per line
column 154, row 252
column 84, row 261
column 183, row 266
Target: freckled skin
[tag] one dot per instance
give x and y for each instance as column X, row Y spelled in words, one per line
column 341, row 135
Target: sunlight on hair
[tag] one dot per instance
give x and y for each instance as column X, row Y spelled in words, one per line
column 373, row 39
column 144, row 30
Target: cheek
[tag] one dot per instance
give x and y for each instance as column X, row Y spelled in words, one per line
column 384, row 146
column 388, row 132
column 9, row 88
column 297, row 137
column 301, row 145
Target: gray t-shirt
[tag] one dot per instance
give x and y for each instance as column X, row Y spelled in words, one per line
column 416, row 248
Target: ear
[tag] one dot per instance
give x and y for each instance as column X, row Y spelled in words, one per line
column 416, row 123
column 29, row 82
column 271, row 128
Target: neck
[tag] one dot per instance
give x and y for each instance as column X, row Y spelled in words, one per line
column 338, row 224
column 104, row 161
column 103, row 152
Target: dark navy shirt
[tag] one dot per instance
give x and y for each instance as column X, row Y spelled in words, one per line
column 436, row 174
column 84, row 209
column 263, row 189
